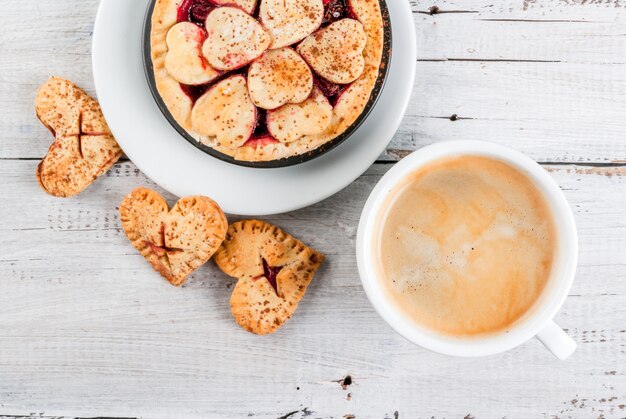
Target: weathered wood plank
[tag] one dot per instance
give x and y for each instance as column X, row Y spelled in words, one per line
column 475, row 37
column 550, row 10
column 83, row 317
column 552, row 112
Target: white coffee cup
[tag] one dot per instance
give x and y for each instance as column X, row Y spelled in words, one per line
column 538, row 320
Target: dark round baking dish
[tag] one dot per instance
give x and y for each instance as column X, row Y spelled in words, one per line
column 289, row 161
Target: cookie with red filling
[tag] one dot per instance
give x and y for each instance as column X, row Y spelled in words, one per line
column 274, row 270
column 84, row 147
column 176, row 242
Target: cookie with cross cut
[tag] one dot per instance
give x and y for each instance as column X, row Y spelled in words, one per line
column 84, row 147
column 176, row 242
column 274, row 270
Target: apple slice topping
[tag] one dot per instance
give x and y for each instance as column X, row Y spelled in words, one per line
column 278, row 77
column 290, row 21
column 291, row 122
column 234, row 39
column 184, row 60
column 336, row 51
column 226, row 112
column 247, row 6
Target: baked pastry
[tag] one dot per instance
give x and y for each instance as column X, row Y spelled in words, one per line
column 274, row 270
column 175, row 242
column 262, row 80
column 84, row 147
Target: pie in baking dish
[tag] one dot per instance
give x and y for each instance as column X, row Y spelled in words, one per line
column 262, row 80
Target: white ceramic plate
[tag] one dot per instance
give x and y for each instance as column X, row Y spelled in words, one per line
column 182, row 169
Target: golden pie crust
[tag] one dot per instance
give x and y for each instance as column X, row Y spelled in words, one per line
column 84, row 147
column 176, row 242
column 345, row 112
column 250, row 248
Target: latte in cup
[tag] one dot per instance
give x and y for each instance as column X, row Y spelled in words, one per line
column 465, row 245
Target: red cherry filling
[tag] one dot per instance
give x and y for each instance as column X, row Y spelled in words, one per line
column 161, row 250
column 335, row 10
column 261, row 136
column 261, row 124
column 164, row 249
column 329, row 89
column 271, row 274
column 194, row 11
column 194, row 92
column 261, row 141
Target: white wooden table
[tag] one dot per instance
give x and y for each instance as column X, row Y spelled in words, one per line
column 88, row 329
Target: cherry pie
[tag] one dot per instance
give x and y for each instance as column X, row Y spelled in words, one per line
column 262, row 80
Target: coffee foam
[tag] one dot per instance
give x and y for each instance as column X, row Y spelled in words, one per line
column 466, row 245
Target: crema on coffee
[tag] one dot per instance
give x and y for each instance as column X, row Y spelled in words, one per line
column 465, row 245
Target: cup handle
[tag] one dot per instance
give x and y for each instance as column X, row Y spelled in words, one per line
column 556, row 340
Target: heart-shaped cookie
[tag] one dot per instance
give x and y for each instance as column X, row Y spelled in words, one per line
column 336, row 51
column 274, row 270
column 175, row 242
column 184, row 60
column 234, row 39
column 84, row 147
column 226, row 112
column 293, row 121
column 290, row 21
column 278, row 77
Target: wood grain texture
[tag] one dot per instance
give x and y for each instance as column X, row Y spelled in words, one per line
column 88, row 329
column 85, row 318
